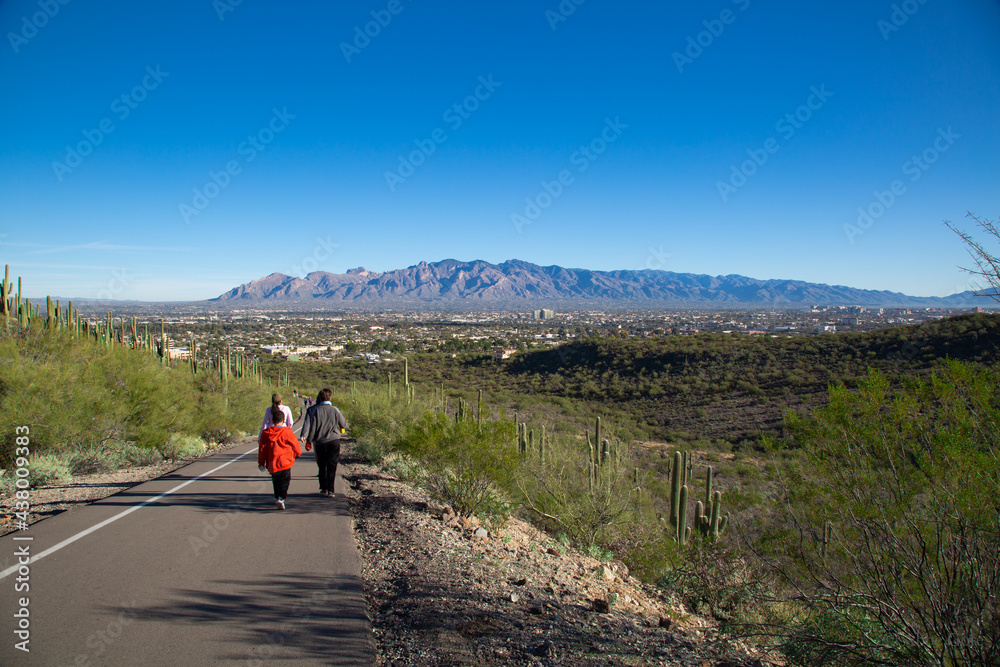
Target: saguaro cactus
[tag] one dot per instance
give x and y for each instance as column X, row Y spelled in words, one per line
column 163, row 344
column 675, row 486
column 683, row 531
column 5, row 296
column 716, row 525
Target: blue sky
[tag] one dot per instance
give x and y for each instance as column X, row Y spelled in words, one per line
column 171, row 151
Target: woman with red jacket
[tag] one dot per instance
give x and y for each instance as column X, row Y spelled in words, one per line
column 277, row 450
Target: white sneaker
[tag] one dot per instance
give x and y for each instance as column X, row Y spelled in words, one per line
column 279, row 504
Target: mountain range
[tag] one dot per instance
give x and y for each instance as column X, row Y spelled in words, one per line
column 453, row 283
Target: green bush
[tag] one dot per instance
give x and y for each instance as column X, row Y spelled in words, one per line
column 404, row 467
column 46, row 469
column 468, row 465
column 886, row 533
column 111, row 457
column 182, row 446
column 569, row 495
column 370, row 450
column 79, row 396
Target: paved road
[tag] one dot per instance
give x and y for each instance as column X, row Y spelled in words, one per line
column 209, row 573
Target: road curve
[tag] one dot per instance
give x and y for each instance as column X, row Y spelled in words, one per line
column 209, row 573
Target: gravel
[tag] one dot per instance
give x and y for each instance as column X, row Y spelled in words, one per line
column 441, row 593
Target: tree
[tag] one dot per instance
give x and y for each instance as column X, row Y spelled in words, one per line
column 887, row 537
column 987, row 264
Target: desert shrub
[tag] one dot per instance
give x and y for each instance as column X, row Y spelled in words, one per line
column 76, row 395
column 113, row 456
column 132, row 455
column 712, row 578
column 468, row 465
column 220, row 435
column 886, row 532
column 402, row 466
column 370, row 450
column 180, row 446
column 46, row 469
column 89, row 461
column 568, row 493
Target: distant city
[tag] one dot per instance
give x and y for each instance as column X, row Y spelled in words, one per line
column 385, row 336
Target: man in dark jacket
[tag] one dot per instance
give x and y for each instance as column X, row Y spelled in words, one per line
column 322, row 427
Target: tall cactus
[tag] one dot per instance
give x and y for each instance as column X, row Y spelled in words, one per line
column 592, row 467
column 5, row 296
column 676, row 475
column 717, row 526
column 683, row 531
column 708, row 486
column 541, row 445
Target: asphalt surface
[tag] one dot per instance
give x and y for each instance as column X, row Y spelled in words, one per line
column 210, row 573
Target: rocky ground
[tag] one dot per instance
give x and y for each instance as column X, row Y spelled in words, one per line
column 446, row 591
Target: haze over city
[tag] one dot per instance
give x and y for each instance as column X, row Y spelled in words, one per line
column 171, row 153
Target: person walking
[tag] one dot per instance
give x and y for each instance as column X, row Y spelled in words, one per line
column 277, row 449
column 286, row 418
column 322, row 427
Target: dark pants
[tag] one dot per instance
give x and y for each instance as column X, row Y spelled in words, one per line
column 280, row 481
column 327, row 456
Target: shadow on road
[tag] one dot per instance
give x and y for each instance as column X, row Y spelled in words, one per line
column 260, row 501
column 279, row 617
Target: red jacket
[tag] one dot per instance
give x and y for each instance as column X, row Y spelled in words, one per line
column 278, row 448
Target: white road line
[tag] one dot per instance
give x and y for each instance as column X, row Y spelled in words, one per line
column 13, row 568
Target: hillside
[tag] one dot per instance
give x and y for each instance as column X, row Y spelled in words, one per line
column 478, row 283
column 679, row 389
